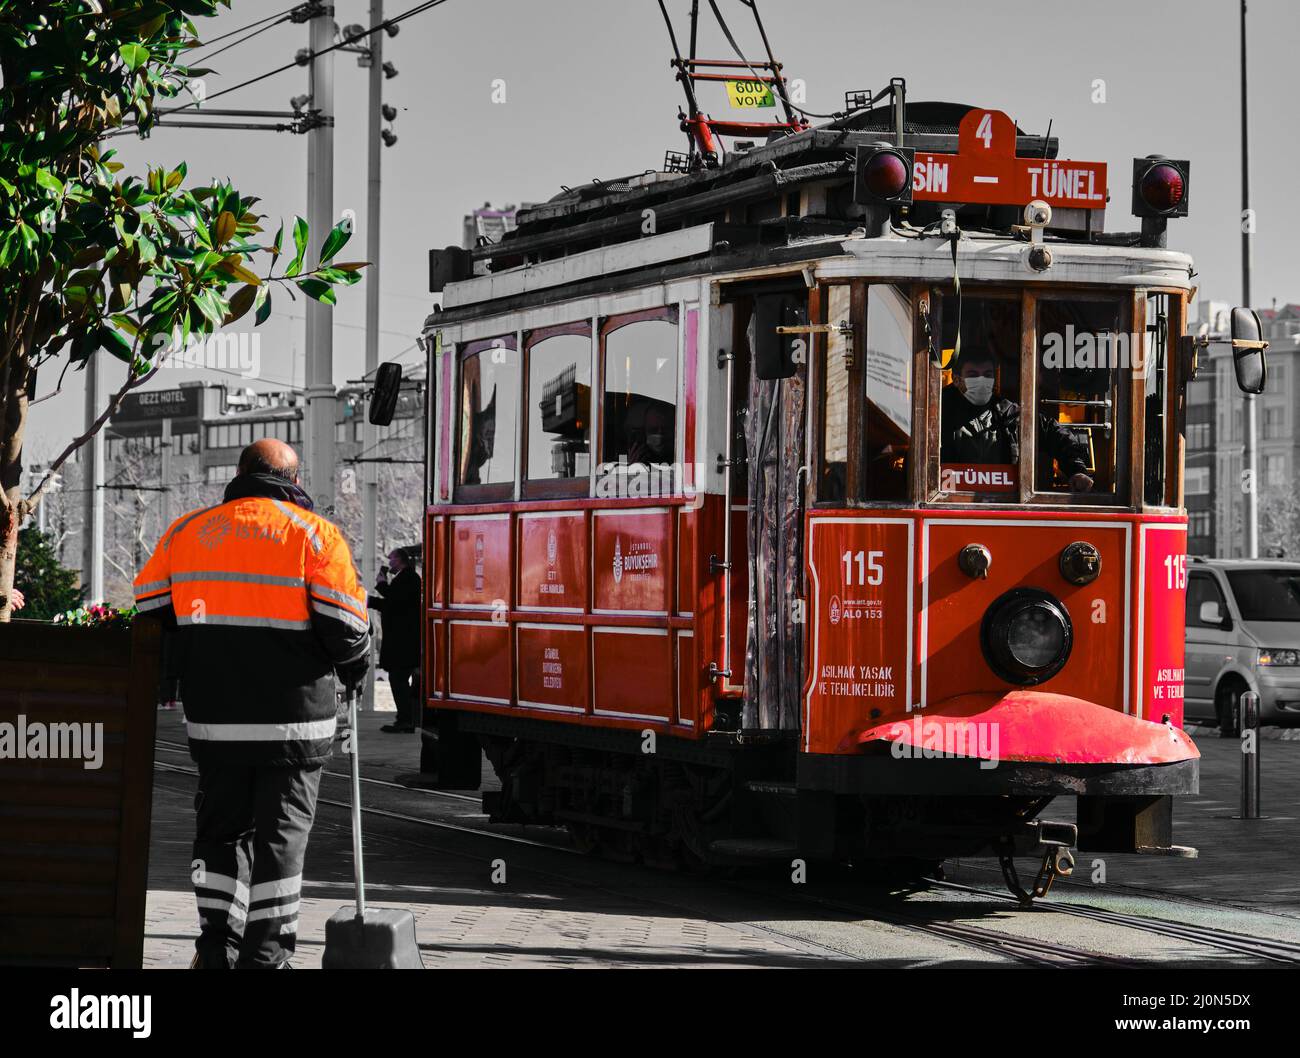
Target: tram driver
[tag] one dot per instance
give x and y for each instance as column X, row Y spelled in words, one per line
column 980, row 426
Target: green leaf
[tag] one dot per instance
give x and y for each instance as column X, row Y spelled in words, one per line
column 49, row 181
column 300, row 232
column 134, row 55
column 319, row 290
column 209, row 303
column 263, row 305
column 336, row 240
column 240, row 304
column 115, row 343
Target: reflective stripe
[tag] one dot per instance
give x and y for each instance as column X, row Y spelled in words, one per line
column 149, row 589
column 301, row 523
column 186, row 521
column 239, row 578
column 223, row 883
column 157, row 602
column 282, row 887
column 308, row 731
column 338, row 596
column 220, row 903
column 329, row 609
column 278, row 911
column 243, row 622
column 289, row 928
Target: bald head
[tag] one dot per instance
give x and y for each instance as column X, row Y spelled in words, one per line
column 270, row 456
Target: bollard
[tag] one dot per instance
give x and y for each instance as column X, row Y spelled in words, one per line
column 1250, row 755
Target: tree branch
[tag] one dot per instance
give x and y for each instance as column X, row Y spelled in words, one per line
column 25, row 507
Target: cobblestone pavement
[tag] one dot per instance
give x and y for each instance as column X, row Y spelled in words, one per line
column 550, row 908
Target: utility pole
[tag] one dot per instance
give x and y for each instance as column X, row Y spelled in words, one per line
column 165, row 474
column 369, row 432
column 92, row 498
column 1248, row 456
column 318, row 427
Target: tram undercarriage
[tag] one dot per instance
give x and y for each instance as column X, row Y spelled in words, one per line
column 737, row 802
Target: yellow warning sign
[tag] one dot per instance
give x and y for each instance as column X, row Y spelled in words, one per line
column 746, row 95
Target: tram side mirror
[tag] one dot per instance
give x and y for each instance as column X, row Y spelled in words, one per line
column 778, row 355
column 1248, row 348
column 383, row 401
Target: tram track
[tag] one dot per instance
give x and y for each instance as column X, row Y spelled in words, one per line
column 1243, row 944
column 1023, row 950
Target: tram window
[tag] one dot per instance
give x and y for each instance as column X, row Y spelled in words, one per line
column 559, row 404
column 887, row 372
column 835, row 401
column 1080, row 351
column 489, row 407
column 1155, row 370
column 979, row 423
column 639, row 410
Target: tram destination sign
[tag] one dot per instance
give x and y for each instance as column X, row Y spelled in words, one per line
column 986, row 170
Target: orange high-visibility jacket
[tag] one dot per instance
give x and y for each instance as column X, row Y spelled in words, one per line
column 266, row 604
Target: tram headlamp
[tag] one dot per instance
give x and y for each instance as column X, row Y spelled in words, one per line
column 1160, row 187
column 1026, row 636
column 883, row 173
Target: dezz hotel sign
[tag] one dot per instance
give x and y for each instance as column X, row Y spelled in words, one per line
column 986, row 170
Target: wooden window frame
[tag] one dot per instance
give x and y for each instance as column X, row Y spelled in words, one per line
column 495, row 491
column 554, row 488
column 607, row 326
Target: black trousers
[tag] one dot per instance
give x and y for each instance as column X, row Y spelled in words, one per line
column 406, row 695
column 249, row 845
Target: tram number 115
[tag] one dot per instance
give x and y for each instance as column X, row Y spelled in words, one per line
column 1175, row 572
column 866, row 564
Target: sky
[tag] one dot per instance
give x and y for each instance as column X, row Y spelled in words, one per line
column 588, row 92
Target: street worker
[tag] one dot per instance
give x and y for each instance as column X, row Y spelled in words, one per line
column 267, row 609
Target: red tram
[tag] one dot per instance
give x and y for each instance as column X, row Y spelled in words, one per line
column 821, row 500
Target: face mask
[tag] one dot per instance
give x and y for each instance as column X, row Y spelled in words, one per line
column 979, row 391
column 655, row 441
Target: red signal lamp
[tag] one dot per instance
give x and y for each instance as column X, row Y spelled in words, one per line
column 883, row 173
column 1160, row 187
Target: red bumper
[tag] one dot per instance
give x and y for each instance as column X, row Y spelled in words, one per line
column 1031, row 726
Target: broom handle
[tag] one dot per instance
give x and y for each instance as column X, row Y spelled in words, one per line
column 358, row 868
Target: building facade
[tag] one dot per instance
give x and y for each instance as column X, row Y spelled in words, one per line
column 1215, row 487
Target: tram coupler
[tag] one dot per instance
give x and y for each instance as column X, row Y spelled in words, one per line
column 1054, row 841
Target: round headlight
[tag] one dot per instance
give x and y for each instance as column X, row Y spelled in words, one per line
column 1026, row 635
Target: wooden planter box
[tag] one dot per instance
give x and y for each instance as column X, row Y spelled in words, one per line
column 74, row 842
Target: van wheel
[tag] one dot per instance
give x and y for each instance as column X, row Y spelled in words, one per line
column 1227, row 706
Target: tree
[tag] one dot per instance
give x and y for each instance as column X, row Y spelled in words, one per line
column 94, row 263
column 48, row 586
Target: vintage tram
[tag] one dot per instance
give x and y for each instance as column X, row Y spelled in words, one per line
column 822, row 499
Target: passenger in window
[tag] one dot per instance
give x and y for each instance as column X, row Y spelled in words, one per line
column 482, row 440
column 649, row 428
column 978, row 426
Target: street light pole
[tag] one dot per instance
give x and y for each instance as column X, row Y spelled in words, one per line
column 319, row 428
column 369, row 432
column 92, row 503
column 1250, row 478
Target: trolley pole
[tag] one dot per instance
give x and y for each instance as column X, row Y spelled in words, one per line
column 1250, row 478
column 1250, row 744
column 318, row 432
column 369, row 432
column 92, row 502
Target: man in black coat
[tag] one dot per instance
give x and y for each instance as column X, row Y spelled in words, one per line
column 398, row 601
column 978, row 425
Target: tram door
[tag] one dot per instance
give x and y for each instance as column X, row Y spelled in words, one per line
column 768, row 420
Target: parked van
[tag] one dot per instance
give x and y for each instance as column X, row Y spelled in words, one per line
column 1243, row 633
